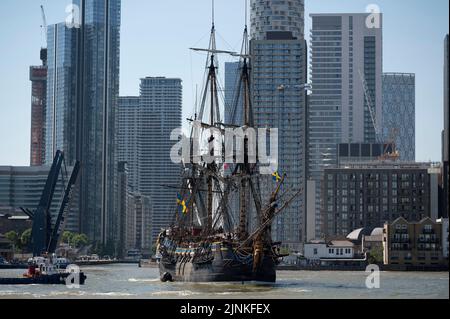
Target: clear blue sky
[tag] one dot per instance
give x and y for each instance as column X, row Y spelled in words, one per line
column 156, row 36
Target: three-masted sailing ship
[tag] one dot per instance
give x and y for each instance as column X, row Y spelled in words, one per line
column 210, row 239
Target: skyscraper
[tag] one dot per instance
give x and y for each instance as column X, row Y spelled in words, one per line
column 127, row 137
column 60, row 130
column 399, row 113
column 38, row 78
column 160, row 111
column 286, row 16
column 279, row 74
column 98, row 58
column 346, row 51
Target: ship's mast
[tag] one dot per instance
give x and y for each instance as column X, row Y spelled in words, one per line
column 214, row 115
column 245, row 170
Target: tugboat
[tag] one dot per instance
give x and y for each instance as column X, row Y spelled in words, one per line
column 42, row 270
column 45, row 234
column 204, row 243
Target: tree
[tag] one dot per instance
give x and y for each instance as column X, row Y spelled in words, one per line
column 67, row 237
column 80, row 240
column 13, row 237
column 25, row 239
column 375, row 255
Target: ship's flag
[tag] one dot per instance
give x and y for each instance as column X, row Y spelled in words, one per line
column 182, row 204
column 276, row 177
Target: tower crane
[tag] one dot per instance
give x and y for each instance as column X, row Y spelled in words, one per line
column 371, row 107
column 44, row 27
column 390, row 151
column 44, row 37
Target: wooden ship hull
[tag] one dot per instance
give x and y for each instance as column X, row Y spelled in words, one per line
column 224, row 265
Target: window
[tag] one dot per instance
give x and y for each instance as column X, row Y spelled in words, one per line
column 315, row 251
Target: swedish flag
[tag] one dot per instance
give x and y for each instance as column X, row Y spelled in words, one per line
column 183, row 205
column 276, row 177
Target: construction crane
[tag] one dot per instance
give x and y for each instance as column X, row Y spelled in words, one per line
column 44, row 27
column 390, row 151
column 44, row 37
column 370, row 107
column 44, row 234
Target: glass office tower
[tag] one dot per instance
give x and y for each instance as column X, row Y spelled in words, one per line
column 60, row 131
column 98, row 58
column 399, row 113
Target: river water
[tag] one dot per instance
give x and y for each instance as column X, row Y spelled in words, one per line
column 129, row 281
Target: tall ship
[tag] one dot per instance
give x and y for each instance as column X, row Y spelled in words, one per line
column 221, row 230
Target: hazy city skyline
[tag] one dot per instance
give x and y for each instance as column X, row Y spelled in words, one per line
column 156, row 44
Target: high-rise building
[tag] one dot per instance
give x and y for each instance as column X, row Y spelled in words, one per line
column 38, row 78
column 279, row 74
column 98, row 55
column 370, row 194
column 160, row 111
column 399, row 113
column 346, row 52
column 60, row 130
column 446, row 133
column 269, row 17
column 232, row 75
column 127, row 137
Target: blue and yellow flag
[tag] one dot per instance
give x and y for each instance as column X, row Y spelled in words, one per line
column 276, row 177
column 182, row 204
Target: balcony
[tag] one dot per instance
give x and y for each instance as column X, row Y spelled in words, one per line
column 400, row 241
column 428, row 240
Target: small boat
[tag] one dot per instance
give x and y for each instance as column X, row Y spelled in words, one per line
column 43, row 271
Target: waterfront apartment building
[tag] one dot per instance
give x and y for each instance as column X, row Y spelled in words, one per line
column 346, row 51
column 23, row 187
column 160, row 112
column 413, row 243
column 399, row 113
column 38, row 78
column 60, row 120
column 279, row 74
column 98, row 55
column 127, row 137
column 368, row 195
